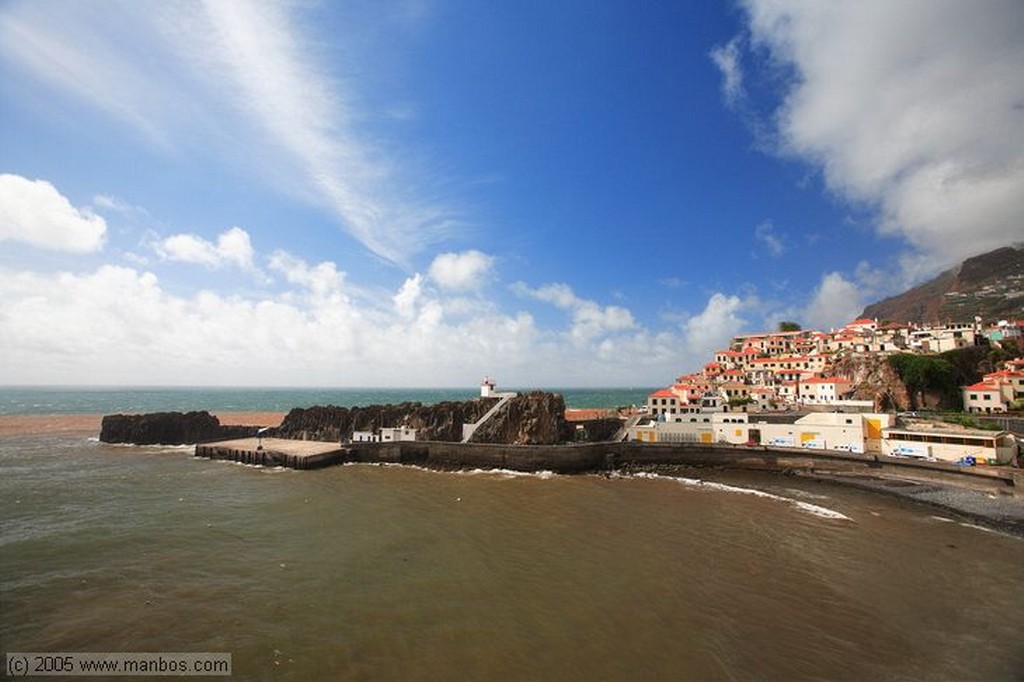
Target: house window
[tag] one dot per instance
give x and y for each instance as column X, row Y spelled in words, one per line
column 987, row 397
column 974, row 396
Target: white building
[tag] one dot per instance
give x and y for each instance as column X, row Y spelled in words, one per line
column 824, row 390
column 488, row 388
column 385, row 435
column 820, row 430
column 950, row 445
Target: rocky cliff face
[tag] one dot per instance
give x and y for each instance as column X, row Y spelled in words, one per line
column 874, row 379
column 990, row 285
column 535, row 418
column 442, row 421
column 169, row 428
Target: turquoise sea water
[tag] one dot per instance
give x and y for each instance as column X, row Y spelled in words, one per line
column 68, row 400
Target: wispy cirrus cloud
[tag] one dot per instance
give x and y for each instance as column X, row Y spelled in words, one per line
column 772, row 241
column 240, row 74
column 727, row 59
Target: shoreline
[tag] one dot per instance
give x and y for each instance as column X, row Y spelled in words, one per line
column 42, row 424
column 1000, row 512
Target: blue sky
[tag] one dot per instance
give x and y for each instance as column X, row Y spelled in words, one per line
column 422, row 193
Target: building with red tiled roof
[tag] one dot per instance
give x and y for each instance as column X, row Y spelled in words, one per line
column 984, row 398
column 996, row 392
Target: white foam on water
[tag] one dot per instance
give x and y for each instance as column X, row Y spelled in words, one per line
column 507, row 473
column 942, row 518
column 816, row 510
column 497, row 473
column 796, row 492
column 977, row 527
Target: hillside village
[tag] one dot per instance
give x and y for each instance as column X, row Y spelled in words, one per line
column 755, row 391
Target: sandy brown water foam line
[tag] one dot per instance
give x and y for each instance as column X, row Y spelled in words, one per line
column 28, row 424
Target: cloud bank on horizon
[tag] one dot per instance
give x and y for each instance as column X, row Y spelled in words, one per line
column 277, row 194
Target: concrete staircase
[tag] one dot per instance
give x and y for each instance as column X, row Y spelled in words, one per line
column 469, row 429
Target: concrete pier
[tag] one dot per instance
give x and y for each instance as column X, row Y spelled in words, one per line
column 293, row 454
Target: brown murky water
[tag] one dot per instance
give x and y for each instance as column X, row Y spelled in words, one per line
column 365, row 572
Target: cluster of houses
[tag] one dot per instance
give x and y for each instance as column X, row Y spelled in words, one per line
column 742, row 395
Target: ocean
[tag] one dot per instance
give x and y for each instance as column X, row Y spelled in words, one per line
column 112, row 400
column 366, row 572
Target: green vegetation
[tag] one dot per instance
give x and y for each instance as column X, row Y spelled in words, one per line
column 928, row 375
column 972, row 363
column 971, row 422
column 788, row 326
column 739, row 402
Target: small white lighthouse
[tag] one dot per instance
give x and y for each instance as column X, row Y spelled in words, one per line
column 487, row 388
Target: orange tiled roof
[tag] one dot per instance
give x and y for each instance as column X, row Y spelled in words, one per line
column 826, row 380
column 982, row 386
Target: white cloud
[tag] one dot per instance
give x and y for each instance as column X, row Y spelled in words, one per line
column 34, row 212
column 590, row 320
column 711, row 329
column 239, row 78
column 408, row 296
column 233, row 247
column 120, row 325
column 765, row 234
column 836, row 301
column 914, row 107
column 468, row 270
column 322, row 280
column 727, row 59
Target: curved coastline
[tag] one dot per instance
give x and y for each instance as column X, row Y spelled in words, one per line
column 38, row 424
column 996, row 502
column 989, row 496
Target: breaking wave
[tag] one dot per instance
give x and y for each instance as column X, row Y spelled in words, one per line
column 817, row 510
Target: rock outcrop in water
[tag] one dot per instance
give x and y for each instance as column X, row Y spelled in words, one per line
column 535, row 418
column 441, row 422
column 169, row 428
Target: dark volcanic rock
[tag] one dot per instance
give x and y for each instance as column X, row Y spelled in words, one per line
column 441, row 422
column 168, row 428
column 535, row 418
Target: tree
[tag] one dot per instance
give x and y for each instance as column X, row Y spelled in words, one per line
column 928, row 373
column 788, row 326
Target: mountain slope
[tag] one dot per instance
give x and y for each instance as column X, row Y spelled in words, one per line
column 990, row 285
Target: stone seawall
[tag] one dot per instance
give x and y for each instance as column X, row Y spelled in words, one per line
column 600, row 457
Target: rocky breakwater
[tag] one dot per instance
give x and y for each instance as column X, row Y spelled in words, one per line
column 169, row 428
column 439, row 422
column 535, row 418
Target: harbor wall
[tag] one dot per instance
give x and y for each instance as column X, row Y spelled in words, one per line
column 598, row 457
